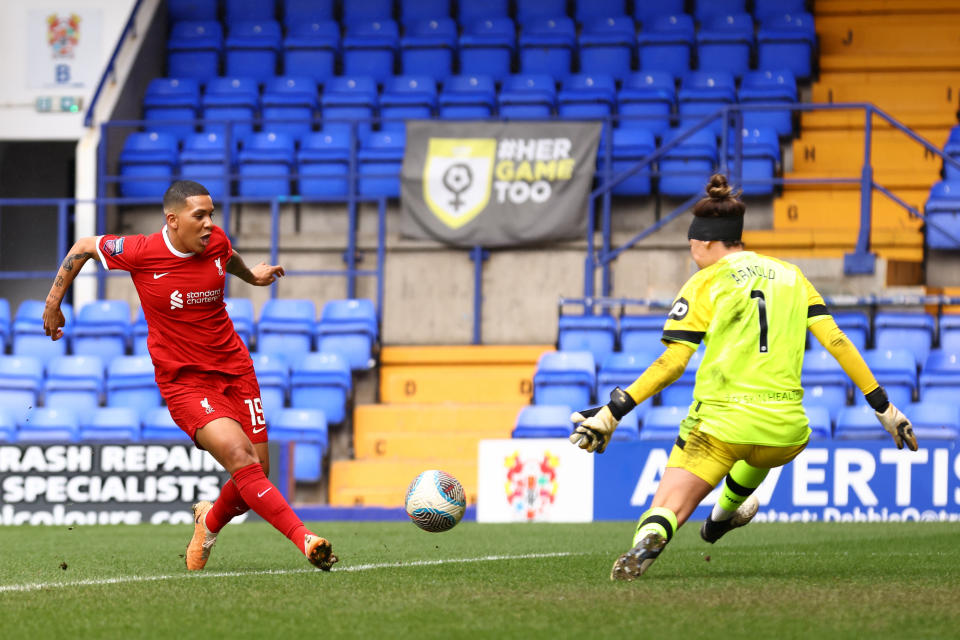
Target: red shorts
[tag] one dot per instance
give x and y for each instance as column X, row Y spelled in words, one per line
column 196, row 398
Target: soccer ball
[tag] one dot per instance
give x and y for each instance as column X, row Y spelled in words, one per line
column 435, row 501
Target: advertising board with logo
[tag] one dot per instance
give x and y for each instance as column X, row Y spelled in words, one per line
column 64, row 48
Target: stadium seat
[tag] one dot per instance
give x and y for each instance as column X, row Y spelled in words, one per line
column 252, row 48
column 596, row 9
column 273, row 376
column 543, row 421
column 762, row 8
column 527, row 97
column 102, row 329
column 949, row 332
column 646, row 12
column 321, row 381
column 21, row 379
column 940, row 377
column 859, row 423
column 158, row 425
column 855, row 324
column 896, row 371
column 904, row 330
column 4, row 325
column 379, row 161
column 171, row 104
column 646, row 101
column 934, row 420
column 265, row 164
column 193, row 50
column 630, row 146
column 308, row 429
column 414, row 10
column 348, row 327
column 286, row 327
column 347, row 99
column 240, row 311
column 469, row 12
column 547, row 45
column 311, row 49
column 8, row 426
column 769, row 87
column 706, row 9
column 49, row 425
column 205, row 159
column 29, row 337
column 147, row 164
column 663, row 423
column 641, row 333
column 952, row 150
column 587, row 97
column 621, row 370
column 760, row 160
column 324, row 164
column 179, row 10
column 820, row 426
column 786, row 41
column 131, row 383
column 725, row 42
column 74, row 382
column 664, row 43
column 467, row 97
column 824, row 382
column 140, row 333
column 407, row 98
column 942, row 213
column 370, row 48
column 680, row 392
column 241, row 10
column 594, row 333
column 112, row 424
column 703, row 93
column 235, row 99
column 428, row 47
column 297, row 12
column 684, row 169
column 289, row 104
column 367, row 10
column 565, row 377
column 607, row 45
column 487, row 46
column 529, row 10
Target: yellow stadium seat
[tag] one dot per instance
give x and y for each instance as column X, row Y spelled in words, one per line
column 384, row 482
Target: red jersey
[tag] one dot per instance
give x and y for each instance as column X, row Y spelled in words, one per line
column 182, row 299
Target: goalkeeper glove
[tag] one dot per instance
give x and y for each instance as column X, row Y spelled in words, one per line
column 892, row 419
column 595, row 426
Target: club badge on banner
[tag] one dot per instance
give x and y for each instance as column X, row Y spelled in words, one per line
column 64, row 47
column 535, row 480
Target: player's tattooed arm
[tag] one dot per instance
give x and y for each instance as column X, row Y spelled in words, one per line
column 260, row 275
column 83, row 250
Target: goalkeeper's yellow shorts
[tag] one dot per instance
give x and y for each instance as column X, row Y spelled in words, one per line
column 710, row 459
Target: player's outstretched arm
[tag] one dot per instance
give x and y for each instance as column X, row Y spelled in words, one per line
column 261, row 275
column 83, row 250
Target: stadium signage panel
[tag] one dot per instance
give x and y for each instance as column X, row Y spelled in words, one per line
column 57, row 484
column 497, row 184
column 534, row 480
column 838, row 481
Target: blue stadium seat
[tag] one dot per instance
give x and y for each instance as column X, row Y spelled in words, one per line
column 193, row 50
column 112, row 424
column 543, row 421
column 170, row 104
column 607, row 44
column 547, row 45
column 641, row 333
column 487, row 46
column 685, row 168
column 703, row 93
column 273, row 376
column 102, row 329
column 178, row 10
column 596, row 9
column 706, row 9
column 769, row 87
column 663, row 423
column 940, row 378
column 347, row 99
column 467, row 97
column 286, row 327
column 942, row 214
column 308, row 429
column 265, row 164
column 8, row 426
column 147, row 164
column 896, row 371
column 934, row 420
column 859, row 423
column 407, row 98
column 725, row 42
column 429, row 47
column 594, row 333
column 140, row 333
column 348, row 327
column 760, row 160
column 680, row 393
column 49, row 425
column 824, row 382
column 904, row 330
column 205, row 159
column 629, row 147
column 324, row 164
column 665, row 43
column 289, row 104
column 296, row 12
column 29, row 337
column 587, row 97
column 234, row 99
column 855, row 324
column 311, row 49
column 321, row 381
column 472, row 11
column 647, row 12
column 74, row 382
column 949, row 332
column 529, row 10
column 131, row 383
column 367, row 10
column 565, row 377
column 158, row 425
column 370, row 48
column 253, row 47
column 4, row 324
column 762, row 8
column 246, row 10
column 414, row 10
column 820, row 424
column 379, row 162
column 21, row 378
column 646, row 101
column 952, row 150
column 620, row 370
column 240, row 311
column 786, row 41
column 527, row 97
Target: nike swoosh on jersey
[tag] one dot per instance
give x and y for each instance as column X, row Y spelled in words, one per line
column 159, row 275
column 255, row 430
column 263, row 493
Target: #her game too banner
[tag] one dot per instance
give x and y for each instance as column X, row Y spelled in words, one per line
column 497, row 184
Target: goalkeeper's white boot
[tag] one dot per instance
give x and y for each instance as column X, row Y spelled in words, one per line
column 198, row 550
column 713, row 530
column 634, row 563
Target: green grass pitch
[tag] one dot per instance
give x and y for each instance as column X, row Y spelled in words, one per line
column 484, row 581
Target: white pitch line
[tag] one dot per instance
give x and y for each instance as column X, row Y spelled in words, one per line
column 36, row 586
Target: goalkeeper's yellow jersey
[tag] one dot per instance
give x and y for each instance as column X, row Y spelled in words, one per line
column 751, row 312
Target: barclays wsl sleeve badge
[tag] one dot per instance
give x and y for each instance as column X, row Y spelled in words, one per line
column 113, row 246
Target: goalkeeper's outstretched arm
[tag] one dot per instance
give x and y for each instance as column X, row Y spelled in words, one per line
column 664, row 371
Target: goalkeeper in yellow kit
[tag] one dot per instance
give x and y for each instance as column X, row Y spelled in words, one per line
column 752, row 313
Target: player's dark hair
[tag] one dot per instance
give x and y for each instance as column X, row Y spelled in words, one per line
column 178, row 192
column 721, row 202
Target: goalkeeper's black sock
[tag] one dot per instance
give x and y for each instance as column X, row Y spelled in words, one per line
column 740, row 482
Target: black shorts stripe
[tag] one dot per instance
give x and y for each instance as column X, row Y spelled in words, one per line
column 663, row 522
column 680, row 442
column 815, row 310
column 686, row 336
column 738, row 488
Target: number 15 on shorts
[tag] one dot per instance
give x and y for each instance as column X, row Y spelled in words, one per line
column 256, row 411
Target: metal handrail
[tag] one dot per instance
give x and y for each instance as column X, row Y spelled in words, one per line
column 111, row 64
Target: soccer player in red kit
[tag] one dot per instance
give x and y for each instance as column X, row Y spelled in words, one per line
column 202, row 368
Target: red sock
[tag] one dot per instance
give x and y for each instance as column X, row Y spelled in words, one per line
column 268, row 503
column 228, row 506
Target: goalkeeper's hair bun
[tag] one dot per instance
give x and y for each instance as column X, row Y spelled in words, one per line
column 721, row 200
column 718, row 188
